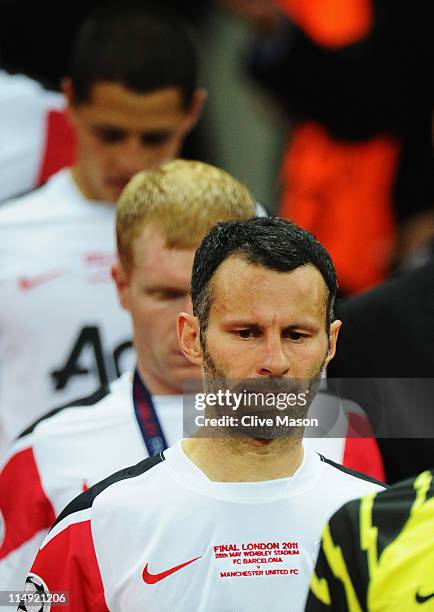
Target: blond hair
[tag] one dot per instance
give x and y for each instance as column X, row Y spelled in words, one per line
column 183, row 199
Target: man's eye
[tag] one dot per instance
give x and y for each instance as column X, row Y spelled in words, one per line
column 294, row 335
column 109, row 135
column 155, row 139
column 246, row 333
column 169, row 295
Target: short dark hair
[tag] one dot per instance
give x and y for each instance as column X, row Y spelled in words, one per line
column 142, row 50
column 271, row 242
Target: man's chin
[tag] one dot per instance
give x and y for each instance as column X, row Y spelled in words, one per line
column 112, row 194
column 112, row 190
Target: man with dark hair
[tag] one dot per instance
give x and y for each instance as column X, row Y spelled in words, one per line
column 264, row 248
column 229, row 521
column 109, row 47
column 132, row 97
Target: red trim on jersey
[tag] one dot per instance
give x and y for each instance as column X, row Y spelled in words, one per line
column 68, row 563
column 59, row 145
column 24, row 505
column 362, row 453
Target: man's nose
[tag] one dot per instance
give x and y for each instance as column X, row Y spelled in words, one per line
column 134, row 157
column 273, row 359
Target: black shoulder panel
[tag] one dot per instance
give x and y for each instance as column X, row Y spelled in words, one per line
column 85, row 401
column 359, row 475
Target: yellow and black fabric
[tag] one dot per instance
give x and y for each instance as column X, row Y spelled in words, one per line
column 377, row 553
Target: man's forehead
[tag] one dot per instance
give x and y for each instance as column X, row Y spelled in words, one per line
column 114, row 103
column 151, row 252
column 244, row 287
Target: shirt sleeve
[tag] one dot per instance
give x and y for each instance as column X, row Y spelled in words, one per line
column 66, row 564
column 26, row 514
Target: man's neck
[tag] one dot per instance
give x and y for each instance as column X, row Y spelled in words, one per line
column 245, row 459
column 76, row 176
column 83, row 186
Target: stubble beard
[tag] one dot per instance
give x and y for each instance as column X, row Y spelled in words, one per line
column 215, row 380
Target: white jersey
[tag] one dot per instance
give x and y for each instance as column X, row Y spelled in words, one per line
column 35, row 136
column 161, row 536
column 74, row 448
column 63, row 334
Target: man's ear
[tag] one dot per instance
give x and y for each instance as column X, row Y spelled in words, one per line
column 187, row 327
column 196, row 108
column 333, row 337
column 122, row 283
column 68, row 91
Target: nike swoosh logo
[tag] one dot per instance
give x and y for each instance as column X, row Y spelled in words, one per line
column 154, row 578
column 423, row 598
column 26, row 283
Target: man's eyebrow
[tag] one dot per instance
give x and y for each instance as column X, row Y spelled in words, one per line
column 108, row 126
column 306, row 325
column 108, row 129
column 158, row 287
column 146, row 133
column 311, row 327
column 157, row 131
column 241, row 323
